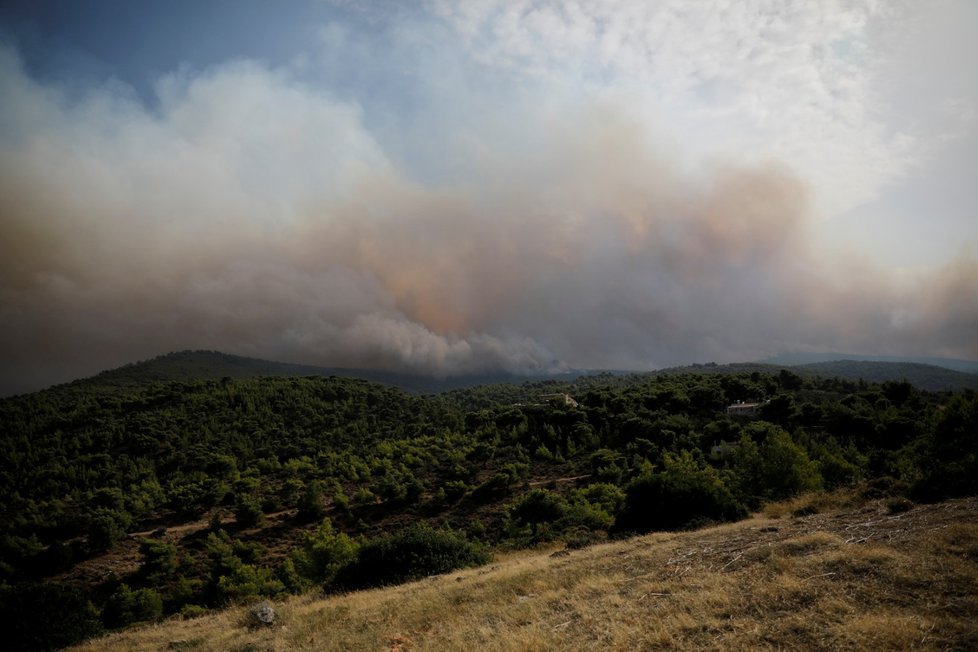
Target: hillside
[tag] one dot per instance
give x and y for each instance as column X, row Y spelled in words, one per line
column 860, row 577
column 190, row 366
column 798, row 359
column 922, row 376
column 187, row 366
column 130, row 503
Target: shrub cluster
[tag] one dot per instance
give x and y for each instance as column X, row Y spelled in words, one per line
column 685, row 492
column 412, row 553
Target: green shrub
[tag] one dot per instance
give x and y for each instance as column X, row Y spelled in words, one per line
column 950, row 454
column 775, row 469
column 189, row 611
column 191, row 496
column 310, row 503
column 19, row 554
column 685, row 492
column 607, row 465
column 220, row 549
column 493, row 488
column 323, row 554
column 105, row 527
column 586, row 515
column 606, row 496
column 245, row 583
column 451, row 492
column 364, row 496
column 126, row 606
column 185, row 591
column 159, row 560
column 535, row 507
column 247, row 510
column 839, row 466
column 234, row 573
column 410, row 554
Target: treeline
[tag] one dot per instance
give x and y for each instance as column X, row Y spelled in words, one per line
column 339, row 484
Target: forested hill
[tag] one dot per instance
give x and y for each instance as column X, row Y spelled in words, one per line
column 922, row 376
column 123, row 503
column 186, row 366
column 798, row 359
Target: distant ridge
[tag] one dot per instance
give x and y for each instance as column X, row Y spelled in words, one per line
column 797, row 359
column 189, row 366
column 185, row 366
column 922, row 376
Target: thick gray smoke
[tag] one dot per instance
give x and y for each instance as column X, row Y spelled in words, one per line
column 250, row 213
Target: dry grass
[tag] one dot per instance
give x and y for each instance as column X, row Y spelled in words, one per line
column 853, row 579
column 814, row 503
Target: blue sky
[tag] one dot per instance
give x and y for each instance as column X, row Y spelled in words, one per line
column 449, row 187
column 137, row 42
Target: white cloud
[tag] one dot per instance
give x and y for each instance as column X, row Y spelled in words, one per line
column 759, row 80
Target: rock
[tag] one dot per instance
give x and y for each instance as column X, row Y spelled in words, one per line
column 262, row 614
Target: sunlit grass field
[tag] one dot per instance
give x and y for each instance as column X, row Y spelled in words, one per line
column 848, row 576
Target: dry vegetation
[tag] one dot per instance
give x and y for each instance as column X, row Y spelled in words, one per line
column 880, row 575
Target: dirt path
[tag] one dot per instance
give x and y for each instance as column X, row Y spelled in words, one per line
column 538, row 483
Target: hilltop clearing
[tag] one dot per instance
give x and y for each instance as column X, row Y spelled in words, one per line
column 882, row 575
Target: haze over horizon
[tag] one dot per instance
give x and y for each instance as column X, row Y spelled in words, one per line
column 517, row 186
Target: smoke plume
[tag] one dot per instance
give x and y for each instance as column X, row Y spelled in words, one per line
column 251, row 213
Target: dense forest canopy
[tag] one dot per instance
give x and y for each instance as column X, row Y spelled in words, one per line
column 229, row 489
